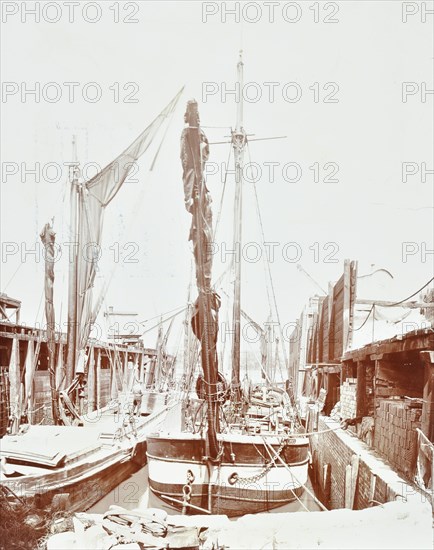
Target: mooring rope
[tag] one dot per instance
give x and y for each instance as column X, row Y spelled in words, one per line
column 320, row 504
column 341, row 426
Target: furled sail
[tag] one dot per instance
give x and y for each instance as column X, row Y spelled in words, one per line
column 48, row 238
column 212, row 329
column 194, row 154
column 193, row 163
column 93, row 197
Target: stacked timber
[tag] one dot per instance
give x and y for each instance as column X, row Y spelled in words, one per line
column 395, row 436
column 349, row 398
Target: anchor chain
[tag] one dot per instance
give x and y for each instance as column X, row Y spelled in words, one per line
column 186, row 491
column 235, row 478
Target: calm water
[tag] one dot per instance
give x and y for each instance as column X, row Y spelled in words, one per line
column 135, row 493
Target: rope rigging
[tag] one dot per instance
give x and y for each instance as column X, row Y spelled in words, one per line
column 267, row 267
column 392, row 305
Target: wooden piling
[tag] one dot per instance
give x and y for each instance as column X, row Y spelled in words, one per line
column 29, row 373
column 91, row 382
column 15, row 383
column 98, row 379
column 60, row 368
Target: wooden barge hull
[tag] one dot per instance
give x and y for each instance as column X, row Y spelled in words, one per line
column 87, row 475
column 243, row 482
column 82, row 485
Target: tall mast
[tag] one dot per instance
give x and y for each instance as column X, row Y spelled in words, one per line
column 238, row 142
column 187, row 348
column 73, row 270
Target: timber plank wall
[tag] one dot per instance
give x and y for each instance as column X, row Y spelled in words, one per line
column 375, row 482
column 31, row 342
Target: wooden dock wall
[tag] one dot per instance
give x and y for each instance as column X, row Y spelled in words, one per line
column 387, row 399
column 346, row 474
column 324, row 329
column 23, row 349
column 383, row 390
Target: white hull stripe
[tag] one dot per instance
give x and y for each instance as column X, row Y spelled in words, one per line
column 277, row 478
column 235, row 464
column 268, row 498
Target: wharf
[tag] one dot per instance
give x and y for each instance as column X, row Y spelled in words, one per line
column 24, row 355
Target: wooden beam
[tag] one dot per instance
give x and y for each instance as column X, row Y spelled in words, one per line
column 421, row 339
column 60, row 367
column 361, row 390
column 354, row 476
column 388, row 303
column 114, row 366
column 372, row 487
column 353, row 294
column 393, row 379
column 9, row 302
column 328, row 334
column 125, row 372
column 98, row 379
column 336, row 369
column 346, row 306
column 348, row 489
column 326, row 484
column 141, row 359
column 91, row 381
column 427, row 424
column 29, row 366
column 318, row 365
column 15, row 384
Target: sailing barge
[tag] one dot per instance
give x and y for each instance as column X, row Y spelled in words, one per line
column 247, row 478
column 81, row 458
column 73, row 467
column 223, row 461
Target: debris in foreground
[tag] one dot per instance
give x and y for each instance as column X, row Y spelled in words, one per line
column 394, row 525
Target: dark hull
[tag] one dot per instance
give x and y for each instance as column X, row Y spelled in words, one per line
column 242, row 483
column 83, row 486
column 230, row 501
column 89, row 473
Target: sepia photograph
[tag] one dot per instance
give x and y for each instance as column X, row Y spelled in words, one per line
column 217, row 275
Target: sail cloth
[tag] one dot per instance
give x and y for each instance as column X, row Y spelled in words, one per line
column 212, row 330
column 194, row 154
column 193, row 163
column 94, row 197
column 196, row 194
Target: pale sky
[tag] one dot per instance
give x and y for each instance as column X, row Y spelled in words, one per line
column 367, row 214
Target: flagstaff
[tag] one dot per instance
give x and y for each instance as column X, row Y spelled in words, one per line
column 239, row 140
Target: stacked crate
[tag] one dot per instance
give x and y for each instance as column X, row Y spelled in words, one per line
column 349, row 398
column 395, row 433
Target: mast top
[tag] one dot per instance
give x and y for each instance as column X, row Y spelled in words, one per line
column 240, row 67
column 73, row 166
column 191, row 116
column 239, row 137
